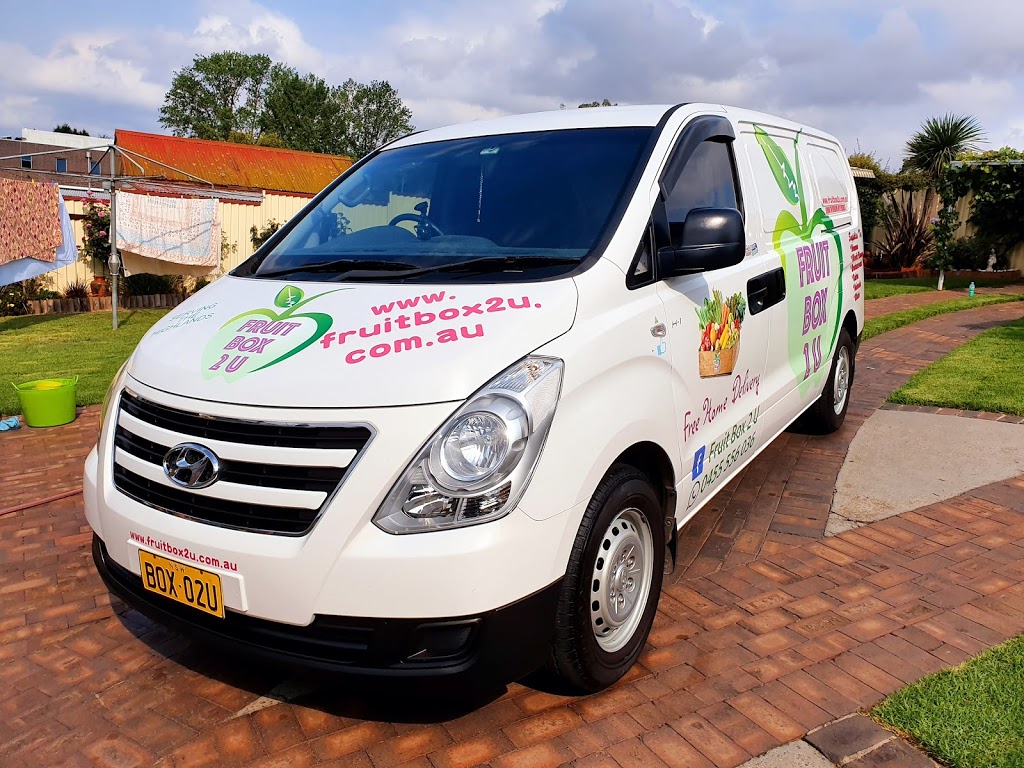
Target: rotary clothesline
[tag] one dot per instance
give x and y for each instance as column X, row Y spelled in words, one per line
column 179, row 230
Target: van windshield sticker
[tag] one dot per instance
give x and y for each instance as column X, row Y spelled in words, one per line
column 263, row 337
column 811, row 265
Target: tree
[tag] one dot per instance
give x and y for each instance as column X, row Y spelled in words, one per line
column 931, row 150
column 65, row 128
column 303, row 112
column 246, row 98
column 374, row 115
column 217, row 95
column 604, row 103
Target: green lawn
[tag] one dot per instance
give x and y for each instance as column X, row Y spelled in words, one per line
column 971, row 716
column 985, row 374
column 880, row 289
column 893, row 320
column 41, row 346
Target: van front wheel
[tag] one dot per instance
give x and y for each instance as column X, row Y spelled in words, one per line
column 611, row 588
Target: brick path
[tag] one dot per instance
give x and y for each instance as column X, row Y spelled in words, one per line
column 742, row 657
column 39, row 463
column 890, row 304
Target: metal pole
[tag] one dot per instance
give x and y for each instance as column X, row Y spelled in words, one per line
column 114, row 263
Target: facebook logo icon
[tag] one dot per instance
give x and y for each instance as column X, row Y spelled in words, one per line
column 698, row 462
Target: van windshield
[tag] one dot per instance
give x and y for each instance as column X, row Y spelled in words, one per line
column 533, row 203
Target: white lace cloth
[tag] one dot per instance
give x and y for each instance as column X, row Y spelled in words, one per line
column 173, row 229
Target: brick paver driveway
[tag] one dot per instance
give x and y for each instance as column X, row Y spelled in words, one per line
column 765, row 630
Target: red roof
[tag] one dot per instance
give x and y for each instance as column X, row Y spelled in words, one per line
column 226, row 164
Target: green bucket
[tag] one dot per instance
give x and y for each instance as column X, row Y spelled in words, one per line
column 48, row 402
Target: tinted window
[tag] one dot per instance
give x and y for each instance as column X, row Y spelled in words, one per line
column 707, row 181
column 545, row 194
column 62, row 165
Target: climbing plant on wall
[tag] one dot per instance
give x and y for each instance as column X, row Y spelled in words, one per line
column 997, row 209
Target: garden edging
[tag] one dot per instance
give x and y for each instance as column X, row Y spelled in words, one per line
column 100, row 303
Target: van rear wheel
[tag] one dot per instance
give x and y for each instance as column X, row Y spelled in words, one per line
column 611, row 588
column 829, row 412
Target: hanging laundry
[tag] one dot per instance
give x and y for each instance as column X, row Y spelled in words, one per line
column 66, row 253
column 167, row 235
column 29, row 220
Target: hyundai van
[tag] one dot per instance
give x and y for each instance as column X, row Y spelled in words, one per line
column 448, row 422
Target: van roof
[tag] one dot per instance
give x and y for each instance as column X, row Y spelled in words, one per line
column 595, row 117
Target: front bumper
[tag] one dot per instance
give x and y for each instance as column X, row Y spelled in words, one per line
column 497, row 646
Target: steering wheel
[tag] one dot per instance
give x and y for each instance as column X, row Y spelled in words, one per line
column 422, row 223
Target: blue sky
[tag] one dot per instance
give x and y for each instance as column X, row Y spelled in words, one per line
column 867, row 70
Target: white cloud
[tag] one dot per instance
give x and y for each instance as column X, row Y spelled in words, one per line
column 871, row 71
column 83, row 62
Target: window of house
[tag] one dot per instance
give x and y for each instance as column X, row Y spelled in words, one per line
column 708, row 181
column 95, row 169
column 62, row 165
column 26, row 161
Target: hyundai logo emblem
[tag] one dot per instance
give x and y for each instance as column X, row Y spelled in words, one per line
column 191, row 466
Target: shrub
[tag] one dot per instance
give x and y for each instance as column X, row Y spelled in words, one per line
column 199, row 284
column 145, row 284
column 76, row 290
column 907, row 239
column 973, row 253
column 260, row 236
column 13, row 300
column 44, row 294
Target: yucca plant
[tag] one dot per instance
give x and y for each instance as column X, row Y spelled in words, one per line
column 907, row 236
column 76, row 290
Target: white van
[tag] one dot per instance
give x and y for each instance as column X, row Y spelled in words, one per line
column 449, row 420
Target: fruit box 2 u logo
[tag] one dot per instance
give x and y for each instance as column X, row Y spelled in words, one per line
column 260, row 338
column 810, row 249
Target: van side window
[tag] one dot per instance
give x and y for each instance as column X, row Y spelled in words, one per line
column 708, row 181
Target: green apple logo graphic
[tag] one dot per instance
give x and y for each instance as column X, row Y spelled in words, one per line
column 260, row 338
column 812, row 258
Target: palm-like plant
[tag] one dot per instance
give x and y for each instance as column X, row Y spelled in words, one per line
column 936, row 145
column 940, row 140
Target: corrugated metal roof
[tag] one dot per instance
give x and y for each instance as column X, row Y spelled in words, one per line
column 224, row 163
column 862, row 173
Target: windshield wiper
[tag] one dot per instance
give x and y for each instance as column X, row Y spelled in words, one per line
column 486, row 264
column 341, row 266
column 360, row 268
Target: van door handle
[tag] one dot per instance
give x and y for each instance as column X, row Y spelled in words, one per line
column 766, row 290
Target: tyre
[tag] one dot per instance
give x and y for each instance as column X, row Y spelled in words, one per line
column 829, row 412
column 612, row 584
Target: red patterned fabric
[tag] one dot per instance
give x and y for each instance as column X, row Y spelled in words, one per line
column 29, row 220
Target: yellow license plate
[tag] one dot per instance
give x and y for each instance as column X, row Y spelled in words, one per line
column 187, row 585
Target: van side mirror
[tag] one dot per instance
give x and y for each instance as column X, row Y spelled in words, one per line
column 711, row 238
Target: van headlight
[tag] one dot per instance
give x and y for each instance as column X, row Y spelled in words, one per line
column 477, row 465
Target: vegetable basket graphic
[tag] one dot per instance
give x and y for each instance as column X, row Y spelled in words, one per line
column 719, row 322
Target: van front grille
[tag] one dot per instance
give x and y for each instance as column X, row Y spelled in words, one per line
column 284, row 493
column 269, row 434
